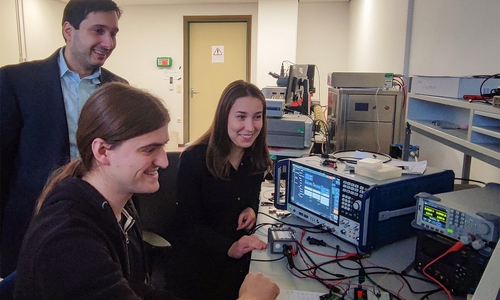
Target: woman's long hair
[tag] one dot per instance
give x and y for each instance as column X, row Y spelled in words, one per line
column 217, row 137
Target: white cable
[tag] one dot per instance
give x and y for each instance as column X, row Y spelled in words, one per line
column 378, row 121
column 21, row 32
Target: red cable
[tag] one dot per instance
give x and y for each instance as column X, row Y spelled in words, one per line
column 458, row 245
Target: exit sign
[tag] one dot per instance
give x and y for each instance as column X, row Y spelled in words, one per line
column 163, row 62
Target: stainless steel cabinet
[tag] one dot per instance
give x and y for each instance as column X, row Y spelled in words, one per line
column 365, row 118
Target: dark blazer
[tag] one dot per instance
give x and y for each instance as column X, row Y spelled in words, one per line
column 34, row 141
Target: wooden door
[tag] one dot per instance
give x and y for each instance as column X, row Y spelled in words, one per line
column 218, row 53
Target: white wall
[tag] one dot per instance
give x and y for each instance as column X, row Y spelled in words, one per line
column 377, row 32
column 9, row 50
column 455, row 37
column 42, row 29
column 42, row 38
column 322, row 39
column 277, row 38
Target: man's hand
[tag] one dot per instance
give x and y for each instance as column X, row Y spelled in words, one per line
column 244, row 245
column 257, row 286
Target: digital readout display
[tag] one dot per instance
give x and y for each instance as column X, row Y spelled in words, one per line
column 434, row 216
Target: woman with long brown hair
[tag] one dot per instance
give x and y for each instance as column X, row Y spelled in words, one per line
column 218, row 188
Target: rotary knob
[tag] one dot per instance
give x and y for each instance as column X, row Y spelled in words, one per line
column 483, row 228
column 356, row 205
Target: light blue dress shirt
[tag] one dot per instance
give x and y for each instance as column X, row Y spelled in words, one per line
column 76, row 91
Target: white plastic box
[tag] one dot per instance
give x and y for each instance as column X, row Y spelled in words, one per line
column 451, row 87
column 374, row 168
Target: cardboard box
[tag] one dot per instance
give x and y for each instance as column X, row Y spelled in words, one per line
column 451, row 87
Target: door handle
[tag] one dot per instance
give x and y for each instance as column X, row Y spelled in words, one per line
column 193, row 92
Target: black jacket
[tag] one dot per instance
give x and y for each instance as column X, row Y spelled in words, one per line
column 206, row 218
column 75, row 249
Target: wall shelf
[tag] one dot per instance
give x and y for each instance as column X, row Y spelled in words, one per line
column 472, row 128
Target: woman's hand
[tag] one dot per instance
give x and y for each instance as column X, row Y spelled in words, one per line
column 244, row 245
column 247, row 219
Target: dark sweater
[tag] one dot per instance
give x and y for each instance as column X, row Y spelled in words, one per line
column 207, row 217
column 75, row 249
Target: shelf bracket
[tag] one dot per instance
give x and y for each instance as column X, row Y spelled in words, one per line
column 406, row 146
column 466, row 168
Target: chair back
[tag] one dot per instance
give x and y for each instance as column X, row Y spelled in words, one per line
column 157, row 210
column 7, row 286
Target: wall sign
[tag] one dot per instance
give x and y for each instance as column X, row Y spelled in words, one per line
column 163, row 62
column 217, row 54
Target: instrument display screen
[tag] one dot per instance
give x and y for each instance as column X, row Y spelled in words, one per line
column 316, row 191
column 434, row 215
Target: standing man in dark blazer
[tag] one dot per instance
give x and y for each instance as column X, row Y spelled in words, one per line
column 40, row 102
